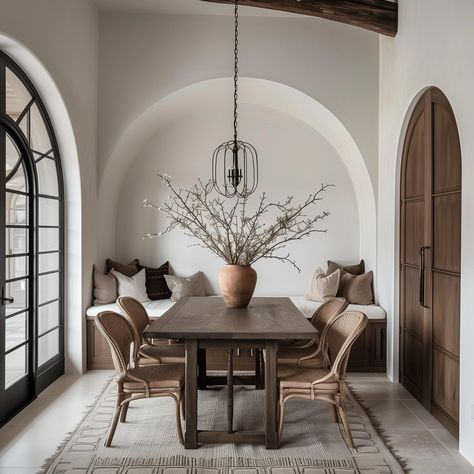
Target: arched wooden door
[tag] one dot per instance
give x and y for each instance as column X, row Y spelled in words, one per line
column 430, row 258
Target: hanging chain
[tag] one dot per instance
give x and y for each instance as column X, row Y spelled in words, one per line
column 236, row 64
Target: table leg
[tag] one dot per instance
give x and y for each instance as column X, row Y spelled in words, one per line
column 202, row 378
column 190, row 390
column 230, row 390
column 271, row 435
column 259, row 370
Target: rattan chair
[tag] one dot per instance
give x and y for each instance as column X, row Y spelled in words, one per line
column 133, row 383
column 324, row 383
column 149, row 353
column 309, row 353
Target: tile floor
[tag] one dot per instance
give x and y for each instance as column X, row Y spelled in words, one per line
column 32, row 436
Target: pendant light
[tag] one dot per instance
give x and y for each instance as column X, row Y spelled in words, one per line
column 235, row 163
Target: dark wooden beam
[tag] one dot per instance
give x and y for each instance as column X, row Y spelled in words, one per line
column 380, row 16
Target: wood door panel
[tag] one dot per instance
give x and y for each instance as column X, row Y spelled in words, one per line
column 413, row 312
column 413, row 359
column 446, row 306
column 447, row 232
column 414, row 171
column 446, row 151
column 431, row 218
column 414, row 220
column 446, row 383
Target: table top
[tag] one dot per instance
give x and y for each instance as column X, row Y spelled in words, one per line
column 207, row 317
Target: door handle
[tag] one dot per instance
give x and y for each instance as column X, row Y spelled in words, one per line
column 422, row 275
column 6, row 299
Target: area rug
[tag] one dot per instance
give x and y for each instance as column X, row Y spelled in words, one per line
column 147, row 443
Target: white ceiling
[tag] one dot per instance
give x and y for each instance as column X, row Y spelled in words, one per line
column 184, row 7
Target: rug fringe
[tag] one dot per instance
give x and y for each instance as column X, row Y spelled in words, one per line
column 378, row 428
column 49, row 461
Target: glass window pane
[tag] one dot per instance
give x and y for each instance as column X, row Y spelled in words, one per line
column 17, row 95
column 48, row 211
column 15, row 208
column 16, row 241
column 12, row 155
column 48, row 317
column 15, row 331
column 17, row 182
column 18, row 290
column 48, row 262
column 16, row 267
column 47, row 177
column 16, row 365
column 39, row 135
column 48, row 287
column 48, row 346
column 48, row 239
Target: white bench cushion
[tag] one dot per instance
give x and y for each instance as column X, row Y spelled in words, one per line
column 157, row 308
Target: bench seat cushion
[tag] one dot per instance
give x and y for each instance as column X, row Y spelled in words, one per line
column 157, row 308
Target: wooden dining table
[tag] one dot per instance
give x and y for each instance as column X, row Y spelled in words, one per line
column 205, row 322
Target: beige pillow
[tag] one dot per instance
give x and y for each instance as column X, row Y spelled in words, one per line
column 323, row 287
column 133, row 286
column 105, row 288
column 357, row 289
column 186, row 286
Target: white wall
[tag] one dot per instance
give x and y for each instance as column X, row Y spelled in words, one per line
column 293, row 159
column 145, row 58
column 56, row 43
column 434, row 47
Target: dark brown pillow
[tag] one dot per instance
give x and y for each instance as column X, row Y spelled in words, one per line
column 357, row 269
column 357, row 289
column 127, row 270
column 156, row 286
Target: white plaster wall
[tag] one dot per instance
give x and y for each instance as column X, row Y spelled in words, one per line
column 146, row 58
column 434, row 46
column 56, row 43
column 293, row 159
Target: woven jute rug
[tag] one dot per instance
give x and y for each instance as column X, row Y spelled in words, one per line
column 147, row 442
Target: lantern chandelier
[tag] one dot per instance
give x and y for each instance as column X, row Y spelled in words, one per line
column 235, row 163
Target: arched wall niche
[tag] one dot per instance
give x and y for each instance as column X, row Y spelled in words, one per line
column 254, row 91
column 47, row 88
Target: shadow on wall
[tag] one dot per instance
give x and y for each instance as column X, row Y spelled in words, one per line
column 254, row 92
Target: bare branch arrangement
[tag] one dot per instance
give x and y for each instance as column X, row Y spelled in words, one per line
column 231, row 231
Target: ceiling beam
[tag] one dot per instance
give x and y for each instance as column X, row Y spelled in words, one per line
column 380, row 16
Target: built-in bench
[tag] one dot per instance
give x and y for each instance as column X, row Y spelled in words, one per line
column 367, row 354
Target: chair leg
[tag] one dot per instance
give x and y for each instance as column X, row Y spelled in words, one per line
column 345, row 422
column 124, row 411
column 281, row 419
column 335, row 416
column 113, row 426
column 178, row 421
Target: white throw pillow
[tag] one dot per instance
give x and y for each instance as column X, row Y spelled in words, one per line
column 323, row 287
column 186, row 286
column 132, row 286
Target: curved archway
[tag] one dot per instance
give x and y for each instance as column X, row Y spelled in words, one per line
column 62, row 125
column 254, row 91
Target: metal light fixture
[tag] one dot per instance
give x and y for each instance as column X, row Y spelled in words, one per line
column 235, row 163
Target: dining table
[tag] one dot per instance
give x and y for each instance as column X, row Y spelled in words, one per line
column 205, row 322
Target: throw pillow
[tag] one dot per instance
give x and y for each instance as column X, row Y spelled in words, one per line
column 188, row 286
column 128, row 270
column 356, row 269
column 105, row 288
column 156, row 286
column 323, row 287
column 133, row 286
column 357, row 289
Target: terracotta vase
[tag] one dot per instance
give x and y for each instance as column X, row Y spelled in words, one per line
column 237, row 284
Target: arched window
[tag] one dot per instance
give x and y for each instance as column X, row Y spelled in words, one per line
column 31, row 244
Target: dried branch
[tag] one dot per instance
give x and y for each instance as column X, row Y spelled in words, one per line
column 228, row 230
